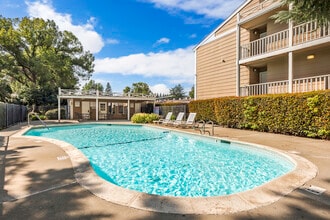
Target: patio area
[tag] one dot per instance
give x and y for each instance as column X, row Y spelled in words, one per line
column 37, row 182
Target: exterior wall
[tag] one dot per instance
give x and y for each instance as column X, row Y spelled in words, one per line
column 116, row 109
column 227, row 27
column 318, row 66
column 275, row 27
column 216, row 68
column 277, row 70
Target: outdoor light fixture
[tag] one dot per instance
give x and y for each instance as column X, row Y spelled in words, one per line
column 310, row 56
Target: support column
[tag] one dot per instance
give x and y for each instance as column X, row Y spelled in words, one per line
column 195, row 80
column 290, row 55
column 238, row 56
column 128, row 107
column 59, row 106
column 97, row 105
column 290, row 72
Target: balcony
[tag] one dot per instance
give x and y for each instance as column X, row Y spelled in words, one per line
column 298, row 85
column 301, row 34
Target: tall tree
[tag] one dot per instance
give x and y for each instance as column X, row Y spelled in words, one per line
column 192, row 92
column 37, row 55
column 92, row 85
column 108, row 89
column 177, row 92
column 141, row 87
column 305, row 11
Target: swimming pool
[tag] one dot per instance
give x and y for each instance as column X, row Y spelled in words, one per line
column 168, row 163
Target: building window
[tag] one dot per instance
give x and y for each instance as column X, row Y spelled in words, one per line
column 121, row 108
column 102, row 107
column 77, row 104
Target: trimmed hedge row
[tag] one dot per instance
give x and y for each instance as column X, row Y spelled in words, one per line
column 144, row 118
column 302, row 114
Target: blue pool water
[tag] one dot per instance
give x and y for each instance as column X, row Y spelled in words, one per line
column 162, row 162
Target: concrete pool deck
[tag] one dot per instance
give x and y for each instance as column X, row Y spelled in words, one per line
column 38, row 182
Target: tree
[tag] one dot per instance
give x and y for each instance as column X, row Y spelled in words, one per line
column 34, row 53
column 177, row 92
column 92, row 85
column 127, row 89
column 192, row 92
column 5, row 90
column 141, row 87
column 108, row 89
column 305, row 11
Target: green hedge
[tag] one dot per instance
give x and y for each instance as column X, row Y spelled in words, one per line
column 144, row 118
column 302, row 114
column 53, row 114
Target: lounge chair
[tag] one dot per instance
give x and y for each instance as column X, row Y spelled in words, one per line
column 190, row 122
column 178, row 119
column 165, row 120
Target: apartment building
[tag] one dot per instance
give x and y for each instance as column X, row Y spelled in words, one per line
column 250, row 54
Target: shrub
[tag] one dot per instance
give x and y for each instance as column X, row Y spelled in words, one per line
column 33, row 117
column 144, row 118
column 53, row 114
column 301, row 114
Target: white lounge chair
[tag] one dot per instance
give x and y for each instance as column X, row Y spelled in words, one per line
column 190, row 122
column 178, row 119
column 165, row 120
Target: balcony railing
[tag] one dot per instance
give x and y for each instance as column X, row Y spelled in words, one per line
column 298, row 85
column 267, row 44
column 263, row 5
column 301, row 34
column 309, row 31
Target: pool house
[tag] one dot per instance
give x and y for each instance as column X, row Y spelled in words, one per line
column 96, row 105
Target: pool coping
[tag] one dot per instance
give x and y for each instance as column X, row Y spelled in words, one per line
column 260, row 196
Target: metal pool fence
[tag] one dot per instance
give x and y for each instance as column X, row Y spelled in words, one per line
column 11, row 114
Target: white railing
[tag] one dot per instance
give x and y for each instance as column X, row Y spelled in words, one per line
column 266, row 44
column 309, row 31
column 301, row 34
column 94, row 93
column 263, row 5
column 311, row 83
column 298, row 85
column 265, row 88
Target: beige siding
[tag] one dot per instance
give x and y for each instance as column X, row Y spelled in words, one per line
column 320, row 65
column 278, row 70
column 245, row 36
column 274, row 28
column 216, row 68
column 249, row 7
column 228, row 26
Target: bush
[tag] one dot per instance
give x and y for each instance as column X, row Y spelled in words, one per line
column 301, row 114
column 33, row 117
column 53, row 114
column 144, row 118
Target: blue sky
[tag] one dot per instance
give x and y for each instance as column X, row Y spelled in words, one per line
column 148, row 41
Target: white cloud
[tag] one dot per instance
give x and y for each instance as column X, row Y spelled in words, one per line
column 163, row 40
column 112, row 41
column 219, row 9
column 176, row 65
column 89, row 38
column 160, row 89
